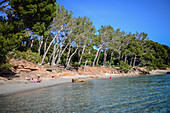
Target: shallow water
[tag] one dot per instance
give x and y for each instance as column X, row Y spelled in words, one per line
column 131, row 94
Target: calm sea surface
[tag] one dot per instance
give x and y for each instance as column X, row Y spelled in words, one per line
column 131, row 94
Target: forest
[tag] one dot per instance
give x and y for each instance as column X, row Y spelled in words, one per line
column 42, row 31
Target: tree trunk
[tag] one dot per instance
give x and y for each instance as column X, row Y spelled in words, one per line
column 84, row 46
column 68, row 55
column 78, row 55
column 63, row 41
column 119, row 56
column 105, row 58
column 125, row 58
column 51, row 44
column 40, row 44
column 85, row 65
column 54, row 51
column 138, row 65
column 50, row 58
column 131, row 61
column 111, row 58
column 59, row 57
column 98, row 58
column 67, row 67
column 96, row 55
column 48, row 48
column 58, row 54
column 45, row 44
column 47, row 51
column 32, row 41
column 134, row 61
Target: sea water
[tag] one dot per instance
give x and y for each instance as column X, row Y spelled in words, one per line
column 129, row 94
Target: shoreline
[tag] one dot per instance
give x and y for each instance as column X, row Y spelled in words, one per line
column 14, row 88
column 9, row 89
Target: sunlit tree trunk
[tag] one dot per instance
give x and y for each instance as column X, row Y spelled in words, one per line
column 111, row 58
column 55, row 38
column 59, row 57
column 134, row 61
column 84, row 46
column 40, row 44
column 96, row 55
column 125, row 58
column 68, row 63
column 69, row 50
column 32, row 41
column 98, row 58
column 45, row 44
column 105, row 56
column 131, row 61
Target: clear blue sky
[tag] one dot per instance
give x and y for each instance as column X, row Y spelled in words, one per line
column 149, row 16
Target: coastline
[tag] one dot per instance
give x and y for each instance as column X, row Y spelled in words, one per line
column 13, row 88
column 18, row 88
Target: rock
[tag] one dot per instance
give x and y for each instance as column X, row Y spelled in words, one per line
column 17, row 75
column 38, row 74
column 31, row 68
column 76, row 80
column 3, row 78
column 116, row 72
column 20, row 66
column 23, row 70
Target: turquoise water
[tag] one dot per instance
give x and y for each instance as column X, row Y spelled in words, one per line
column 132, row 94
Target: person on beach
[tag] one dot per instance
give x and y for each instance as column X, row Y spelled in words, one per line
column 39, row 80
column 32, row 80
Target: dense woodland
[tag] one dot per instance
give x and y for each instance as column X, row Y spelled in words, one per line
column 42, row 31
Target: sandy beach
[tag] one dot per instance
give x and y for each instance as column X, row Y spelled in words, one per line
column 16, row 88
column 13, row 86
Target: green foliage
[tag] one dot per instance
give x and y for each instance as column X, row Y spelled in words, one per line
column 168, row 65
column 124, row 67
column 76, row 65
column 28, row 55
column 10, row 37
column 34, row 11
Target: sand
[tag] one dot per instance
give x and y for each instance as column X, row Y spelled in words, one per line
column 16, row 88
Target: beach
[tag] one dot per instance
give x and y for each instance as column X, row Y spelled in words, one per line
column 22, row 87
column 17, row 86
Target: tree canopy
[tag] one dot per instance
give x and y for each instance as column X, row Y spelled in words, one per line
column 49, row 30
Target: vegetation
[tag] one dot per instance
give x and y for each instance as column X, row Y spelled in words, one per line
column 42, row 31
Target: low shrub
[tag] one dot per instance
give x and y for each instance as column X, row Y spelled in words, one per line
column 28, row 55
column 124, row 67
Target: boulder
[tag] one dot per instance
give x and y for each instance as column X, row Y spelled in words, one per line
column 76, row 80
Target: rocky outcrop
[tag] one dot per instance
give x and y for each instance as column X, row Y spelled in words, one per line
column 23, row 66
